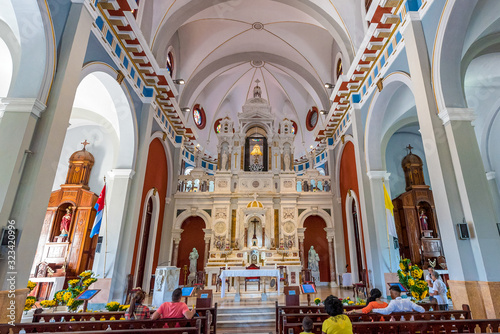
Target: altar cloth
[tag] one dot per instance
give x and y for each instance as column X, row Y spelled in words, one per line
column 248, row 273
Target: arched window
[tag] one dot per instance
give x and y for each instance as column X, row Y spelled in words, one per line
column 312, row 118
column 294, row 128
column 339, row 70
column 170, row 63
column 199, row 117
column 217, row 125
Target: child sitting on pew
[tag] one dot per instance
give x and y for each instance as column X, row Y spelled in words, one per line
column 136, row 310
column 307, row 325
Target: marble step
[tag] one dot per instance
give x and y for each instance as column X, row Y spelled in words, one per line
column 246, row 317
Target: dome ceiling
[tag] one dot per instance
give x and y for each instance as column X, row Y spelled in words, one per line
column 221, row 48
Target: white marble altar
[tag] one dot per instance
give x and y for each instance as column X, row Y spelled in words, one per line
column 166, row 281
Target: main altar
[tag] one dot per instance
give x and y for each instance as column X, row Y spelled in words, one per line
column 255, row 203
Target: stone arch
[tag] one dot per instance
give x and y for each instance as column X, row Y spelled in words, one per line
column 374, row 132
column 10, row 56
column 151, row 244
column 315, row 212
column 191, row 213
column 169, row 155
column 338, row 161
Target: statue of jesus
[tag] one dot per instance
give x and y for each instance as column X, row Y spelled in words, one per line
column 423, row 220
column 65, row 222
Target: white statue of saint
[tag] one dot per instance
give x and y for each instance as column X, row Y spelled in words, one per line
column 193, row 259
column 223, row 165
column 311, row 159
column 286, row 161
column 313, row 260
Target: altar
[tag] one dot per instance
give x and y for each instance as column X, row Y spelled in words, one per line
column 261, row 273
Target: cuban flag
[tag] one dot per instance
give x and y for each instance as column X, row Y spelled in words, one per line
column 99, row 206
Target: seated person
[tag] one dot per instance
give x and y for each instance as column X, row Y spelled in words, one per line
column 398, row 304
column 307, row 325
column 439, row 291
column 373, row 302
column 338, row 323
column 137, row 311
column 174, row 309
column 428, row 279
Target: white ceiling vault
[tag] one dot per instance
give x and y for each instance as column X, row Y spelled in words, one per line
column 221, row 47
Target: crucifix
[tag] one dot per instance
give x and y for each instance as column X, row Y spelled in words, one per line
column 85, row 143
column 409, row 148
column 254, row 238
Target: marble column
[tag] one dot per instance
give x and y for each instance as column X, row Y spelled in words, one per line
column 32, row 195
column 330, row 236
column 18, row 117
column 175, row 252
column 208, row 236
column 492, row 183
column 458, row 181
column 300, row 235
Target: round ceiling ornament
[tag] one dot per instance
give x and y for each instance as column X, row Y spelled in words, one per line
column 257, row 63
column 258, row 26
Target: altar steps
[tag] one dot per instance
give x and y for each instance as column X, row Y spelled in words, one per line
column 254, row 319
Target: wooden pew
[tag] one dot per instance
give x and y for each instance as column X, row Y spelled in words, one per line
column 94, row 326
column 411, row 327
column 178, row 330
column 86, row 316
column 428, row 315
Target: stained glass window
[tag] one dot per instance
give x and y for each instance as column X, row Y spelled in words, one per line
column 218, row 128
column 197, row 117
column 170, row 63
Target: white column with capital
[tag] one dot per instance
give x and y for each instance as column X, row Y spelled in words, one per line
column 18, row 117
column 32, row 195
column 117, row 191
column 492, row 182
column 375, row 264
column 389, row 255
column 330, row 236
column 459, row 185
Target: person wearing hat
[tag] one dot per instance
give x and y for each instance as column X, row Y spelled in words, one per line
column 399, row 304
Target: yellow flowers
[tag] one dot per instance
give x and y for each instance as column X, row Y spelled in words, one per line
column 125, row 307
column 31, row 285
column 73, row 282
column 317, row 301
column 411, row 282
column 85, row 274
column 48, row 303
column 112, row 306
column 410, row 277
column 70, row 302
column 424, row 294
column 350, row 302
column 402, row 266
column 67, row 295
column 30, row 301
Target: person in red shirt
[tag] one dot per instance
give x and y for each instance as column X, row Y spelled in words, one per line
column 174, row 309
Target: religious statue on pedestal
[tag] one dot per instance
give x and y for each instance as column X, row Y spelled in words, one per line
column 286, row 161
column 423, row 221
column 65, row 222
column 193, row 259
column 223, row 165
column 313, row 260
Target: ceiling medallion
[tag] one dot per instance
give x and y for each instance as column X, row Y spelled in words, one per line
column 257, row 63
column 258, row 26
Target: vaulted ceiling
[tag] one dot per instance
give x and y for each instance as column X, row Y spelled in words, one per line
column 221, row 47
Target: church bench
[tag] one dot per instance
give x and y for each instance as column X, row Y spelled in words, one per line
column 86, row 316
column 92, row 326
column 428, row 316
column 177, row 330
column 410, row 327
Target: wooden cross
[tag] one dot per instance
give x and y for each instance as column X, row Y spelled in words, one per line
column 85, row 143
column 254, row 221
column 409, row 148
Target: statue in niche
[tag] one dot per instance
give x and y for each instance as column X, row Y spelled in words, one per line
column 313, row 260
column 311, row 159
column 423, row 220
column 257, row 91
column 193, row 259
column 286, row 161
column 65, row 222
column 223, row 165
column 159, row 280
column 305, row 186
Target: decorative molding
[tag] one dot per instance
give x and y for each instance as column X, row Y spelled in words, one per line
column 490, row 176
column 378, row 174
column 121, row 173
column 457, row 114
column 29, row 105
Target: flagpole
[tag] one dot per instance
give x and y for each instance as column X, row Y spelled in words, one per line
column 105, row 229
column 387, row 227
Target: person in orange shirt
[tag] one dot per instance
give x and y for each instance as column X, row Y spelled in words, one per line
column 373, row 302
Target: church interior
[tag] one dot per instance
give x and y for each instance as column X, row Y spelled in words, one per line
column 248, row 149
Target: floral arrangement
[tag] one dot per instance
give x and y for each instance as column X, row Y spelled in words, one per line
column 124, row 307
column 360, row 301
column 48, row 303
column 347, row 301
column 30, row 301
column 410, row 276
column 112, row 306
column 448, row 294
column 31, row 285
column 75, row 287
column 317, row 301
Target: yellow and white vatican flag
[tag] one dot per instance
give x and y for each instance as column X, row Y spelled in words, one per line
column 389, row 213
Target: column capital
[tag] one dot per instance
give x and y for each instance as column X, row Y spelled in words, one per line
column 330, row 232
column 121, row 174
column 457, row 114
column 411, row 16
column 208, row 234
column 300, row 232
column 176, row 235
column 378, row 175
column 491, row 175
column 20, row 105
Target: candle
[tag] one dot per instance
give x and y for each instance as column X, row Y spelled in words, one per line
column 226, row 265
column 275, row 266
